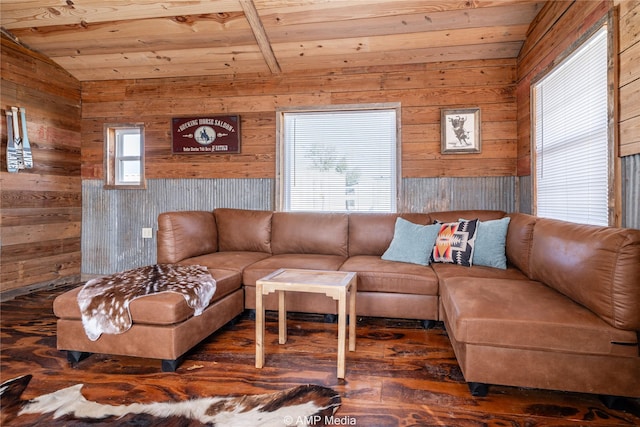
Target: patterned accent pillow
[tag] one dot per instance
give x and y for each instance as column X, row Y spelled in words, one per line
column 455, row 243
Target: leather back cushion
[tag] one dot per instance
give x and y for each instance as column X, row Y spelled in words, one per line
column 185, row 234
column 519, row 240
column 452, row 216
column 310, row 233
column 371, row 233
column 598, row 267
column 243, row 230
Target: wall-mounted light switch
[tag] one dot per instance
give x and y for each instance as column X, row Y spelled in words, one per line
column 147, row 233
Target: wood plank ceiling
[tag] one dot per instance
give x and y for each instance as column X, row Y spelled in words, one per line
column 126, row 39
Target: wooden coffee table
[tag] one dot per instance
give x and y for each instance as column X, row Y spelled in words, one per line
column 334, row 284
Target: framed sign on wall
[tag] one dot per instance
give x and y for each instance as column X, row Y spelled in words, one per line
column 460, row 131
column 205, row 135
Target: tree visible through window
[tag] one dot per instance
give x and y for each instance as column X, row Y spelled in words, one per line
column 339, row 159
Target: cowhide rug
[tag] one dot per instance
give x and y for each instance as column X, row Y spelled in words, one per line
column 104, row 302
column 306, row 405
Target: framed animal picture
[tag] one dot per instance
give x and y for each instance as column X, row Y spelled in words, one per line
column 460, row 130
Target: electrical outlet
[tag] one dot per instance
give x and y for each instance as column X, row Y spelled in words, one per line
column 147, row 233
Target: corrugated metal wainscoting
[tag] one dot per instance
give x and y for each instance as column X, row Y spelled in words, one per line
column 112, row 220
column 525, row 190
column 631, row 191
column 444, row 194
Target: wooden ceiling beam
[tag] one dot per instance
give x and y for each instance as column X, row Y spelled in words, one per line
column 255, row 23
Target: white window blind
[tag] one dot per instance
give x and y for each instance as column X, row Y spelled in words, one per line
column 340, row 161
column 128, row 156
column 571, row 137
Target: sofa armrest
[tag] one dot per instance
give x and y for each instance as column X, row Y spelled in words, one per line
column 186, row 234
column 596, row 266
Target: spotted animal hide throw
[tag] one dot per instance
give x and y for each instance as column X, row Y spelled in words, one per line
column 104, row 302
column 303, row 405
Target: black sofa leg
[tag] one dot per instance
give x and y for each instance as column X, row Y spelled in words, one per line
column 234, row 321
column 428, row 324
column 330, row 318
column 171, row 365
column 478, row 389
column 74, row 357
column 612, row 402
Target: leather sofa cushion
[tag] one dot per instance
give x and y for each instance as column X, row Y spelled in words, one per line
column 164, row 308
column 391, row 305
column 185, row 234
column 243, row 230
column 371, row 233
column 232, row 260
column 519, row 240
column 307, row 261
column 444, row 271
column 452, row 216
column 321, row 233
column 527, row 315
column 378, row 275
column 598, row 267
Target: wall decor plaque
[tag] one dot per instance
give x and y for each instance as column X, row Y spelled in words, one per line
column 205, row 135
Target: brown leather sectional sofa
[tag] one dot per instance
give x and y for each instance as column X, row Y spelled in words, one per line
column 563, row 315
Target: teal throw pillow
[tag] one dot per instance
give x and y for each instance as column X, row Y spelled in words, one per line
column 411, row 242
column 490, row 243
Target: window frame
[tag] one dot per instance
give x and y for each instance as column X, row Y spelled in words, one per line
column 113, row 156
column 281, row 149
column 614, row 178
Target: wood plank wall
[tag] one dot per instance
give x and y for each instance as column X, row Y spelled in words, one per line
column 422, row 90
column 629, row 83
column 41, row 207
column 555, row 29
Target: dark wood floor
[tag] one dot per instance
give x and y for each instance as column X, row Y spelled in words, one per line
column 400, row 374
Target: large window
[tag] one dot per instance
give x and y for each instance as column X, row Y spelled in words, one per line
column 572, row 136
column 339, row 158
column 125, row 156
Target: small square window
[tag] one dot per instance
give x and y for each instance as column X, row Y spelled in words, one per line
column 124, row 156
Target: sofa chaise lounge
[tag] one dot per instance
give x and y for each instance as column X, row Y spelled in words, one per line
column 563, row 314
